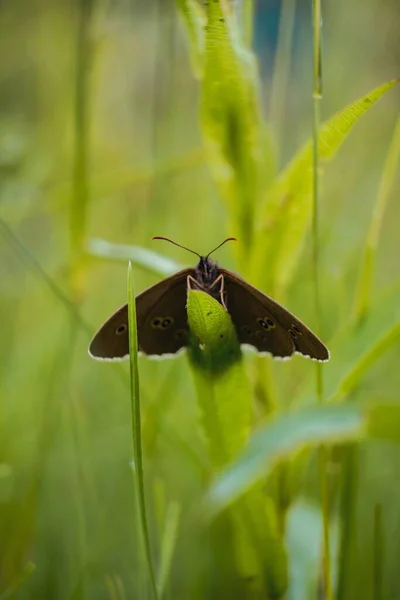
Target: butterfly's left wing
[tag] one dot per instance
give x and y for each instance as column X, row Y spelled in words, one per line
column 161, row 322
column 263, row 323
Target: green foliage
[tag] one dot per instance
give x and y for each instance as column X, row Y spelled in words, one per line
column 219, row 376
column 215, row 346
column 99, row 140
column 279, row 439
column 287, row 205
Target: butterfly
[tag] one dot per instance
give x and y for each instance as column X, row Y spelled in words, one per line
column 162, row 321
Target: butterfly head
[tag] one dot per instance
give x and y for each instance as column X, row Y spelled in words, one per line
column 206, row 272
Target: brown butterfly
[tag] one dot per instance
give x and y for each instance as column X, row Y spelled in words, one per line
column 162, row 322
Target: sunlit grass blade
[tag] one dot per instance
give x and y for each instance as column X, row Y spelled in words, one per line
column 287, row 206
column 149, row 260
column 219, row 375
column 326, row 575
column 79, row 201
column 230, row 118
column 281, row 438
column 281, row 74
column 168, row 543
column 136, row 428
column 367, row 268
column 248, row 19
column 194, row 19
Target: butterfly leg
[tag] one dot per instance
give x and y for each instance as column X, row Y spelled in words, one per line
column 220, row 280
column 193, row 284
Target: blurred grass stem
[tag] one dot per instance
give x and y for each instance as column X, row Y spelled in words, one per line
column 80, row 187
column 281, row 75
column 323, row 452
column 378, row 552
column 363, row 297
column 248, row 20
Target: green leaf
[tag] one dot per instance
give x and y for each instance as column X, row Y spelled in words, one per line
column 225, row 402
column 230, row 117
column 288, row 204
column 147, row 259
column 223, row 390
column 215, row 345
column 279, row 439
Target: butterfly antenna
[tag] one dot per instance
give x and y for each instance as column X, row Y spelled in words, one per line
column 158, row 237
column 230, row 239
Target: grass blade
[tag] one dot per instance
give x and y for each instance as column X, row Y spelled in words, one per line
column 80, row 191
column 281, row 75
column 248, row 19
column 322, row 451
column 230, row 117
column 280, row 438
column 194, row 19
column 379, row 556
column 387, row 181
column 136, row 428
column 287, row 209
column 387, row 340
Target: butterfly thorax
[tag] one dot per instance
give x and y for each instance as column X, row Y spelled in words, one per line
column 206, row 273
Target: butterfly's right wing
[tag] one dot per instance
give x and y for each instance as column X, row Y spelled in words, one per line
column 161, row 322
column 264, row 324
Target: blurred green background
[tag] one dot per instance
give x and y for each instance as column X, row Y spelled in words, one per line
column 100, row 138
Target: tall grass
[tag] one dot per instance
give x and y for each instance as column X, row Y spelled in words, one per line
column 101, row 106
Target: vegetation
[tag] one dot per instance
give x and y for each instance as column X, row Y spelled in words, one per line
column 170, row 479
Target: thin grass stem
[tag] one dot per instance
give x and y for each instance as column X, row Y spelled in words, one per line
column 248, row 21
column 281, row 75
column 136, row 428
column 80, row 191
column 323, row 452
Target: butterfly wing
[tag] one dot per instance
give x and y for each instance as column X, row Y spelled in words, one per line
column 263, row 323
column 161, row 322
